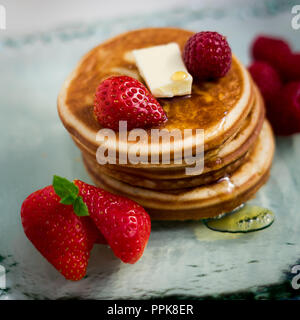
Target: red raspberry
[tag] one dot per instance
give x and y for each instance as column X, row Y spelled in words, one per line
column 207, row 55
column 266, row 78
column 124, row 98
column 291, row 68
column 275, row 51
column 284, row 111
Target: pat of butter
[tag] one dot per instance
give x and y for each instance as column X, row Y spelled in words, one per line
column 163, row 70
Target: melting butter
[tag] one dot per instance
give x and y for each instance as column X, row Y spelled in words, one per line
column 163, row 70
column 247, row 219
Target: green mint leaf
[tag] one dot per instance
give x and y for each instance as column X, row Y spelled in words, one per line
column 68, row 200
column 80, row 207
column 68, row 193
column 65, row 189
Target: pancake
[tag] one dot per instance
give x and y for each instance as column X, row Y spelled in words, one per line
column 238, row 143
column 159, row 184
column 205, row 201
column 232, row 151
column 219, row 107
column 234, row 148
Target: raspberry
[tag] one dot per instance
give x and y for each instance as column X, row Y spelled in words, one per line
column 266, row 78
column 291, row 68
column 122, row 98
column 275, row 51
column 284, row 111
column 207, row 55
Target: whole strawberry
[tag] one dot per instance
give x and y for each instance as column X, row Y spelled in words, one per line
column 64, row 238
column 266, row 78
column 122, row 98
column 207, row 55
column 284, row 111
column 125, row 225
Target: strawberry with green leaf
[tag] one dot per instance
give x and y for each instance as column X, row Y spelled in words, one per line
column 64, row 221
column 124, row 224
column 62, row 234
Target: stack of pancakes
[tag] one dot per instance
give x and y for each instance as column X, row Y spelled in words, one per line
column 238, row 141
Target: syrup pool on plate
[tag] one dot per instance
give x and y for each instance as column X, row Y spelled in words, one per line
column 246, row 219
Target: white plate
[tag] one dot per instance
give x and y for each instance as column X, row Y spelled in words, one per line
column 182, row 259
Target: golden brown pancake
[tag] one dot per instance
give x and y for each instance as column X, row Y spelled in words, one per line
column 160, row 184
column 219, row 107
column 227, row 158
column 204, row 201
column 238, row 144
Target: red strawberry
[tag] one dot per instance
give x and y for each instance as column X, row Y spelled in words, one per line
column 125, row 224
column 207, row 55
column 122, row 98
column 61, row 236
column 266, row 78
column 275, row 51
column 284, row 111
column 94, row 235
column 100, row 239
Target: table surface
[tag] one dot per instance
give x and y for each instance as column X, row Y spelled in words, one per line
column 182, row 259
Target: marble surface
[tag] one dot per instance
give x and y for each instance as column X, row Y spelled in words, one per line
column 182, row 259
